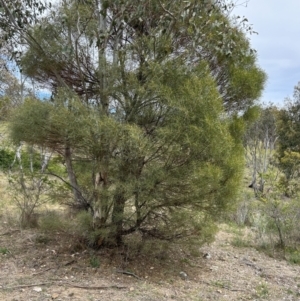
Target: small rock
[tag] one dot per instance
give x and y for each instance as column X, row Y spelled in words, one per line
column 131, row 289
column 183, row 275
column 54, row 296
column 37, row 289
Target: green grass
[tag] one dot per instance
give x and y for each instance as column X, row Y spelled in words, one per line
column 42, row 239
column 4, row 251
column 221, row 284
column 94, row 262
column 234, row 228
column 293, row 256
column 262, row 291
column 52, row 221
column 240, row 242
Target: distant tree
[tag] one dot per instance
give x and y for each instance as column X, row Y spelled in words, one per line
column 289, row 130
column 259, row 142
column 289, row 141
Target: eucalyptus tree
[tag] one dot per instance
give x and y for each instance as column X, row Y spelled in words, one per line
column 260, row 144
column 142, row 94
column 289, row 127
column 86, row 35
column 289, row 142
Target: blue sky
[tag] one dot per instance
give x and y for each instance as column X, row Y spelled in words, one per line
column 277, row 44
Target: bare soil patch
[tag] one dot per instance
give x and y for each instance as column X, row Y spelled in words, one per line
column 37, row 266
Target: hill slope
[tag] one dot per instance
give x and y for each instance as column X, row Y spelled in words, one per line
column 40, row 267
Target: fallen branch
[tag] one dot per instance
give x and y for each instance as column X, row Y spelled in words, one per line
column 129, row 274
column 40, row 272
column 25, row 285
column 65, row 284
column 69, row 262
column 10, row 232
column 94, row 287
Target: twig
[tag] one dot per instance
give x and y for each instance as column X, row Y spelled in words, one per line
column 40, row 272
column 69, row 262
column 65, row 284
column 25, row 285
column 10, row 232
column 129, row 274
column 94, row 287
column 167, row 11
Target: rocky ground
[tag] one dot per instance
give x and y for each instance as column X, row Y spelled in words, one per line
column 41, row 267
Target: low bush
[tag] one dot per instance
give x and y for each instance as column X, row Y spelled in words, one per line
column 6, row 159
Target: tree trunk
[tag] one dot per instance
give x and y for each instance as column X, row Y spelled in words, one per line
column 102, row 45
column 100, row 202
column 117, row 217
column 72, row 178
